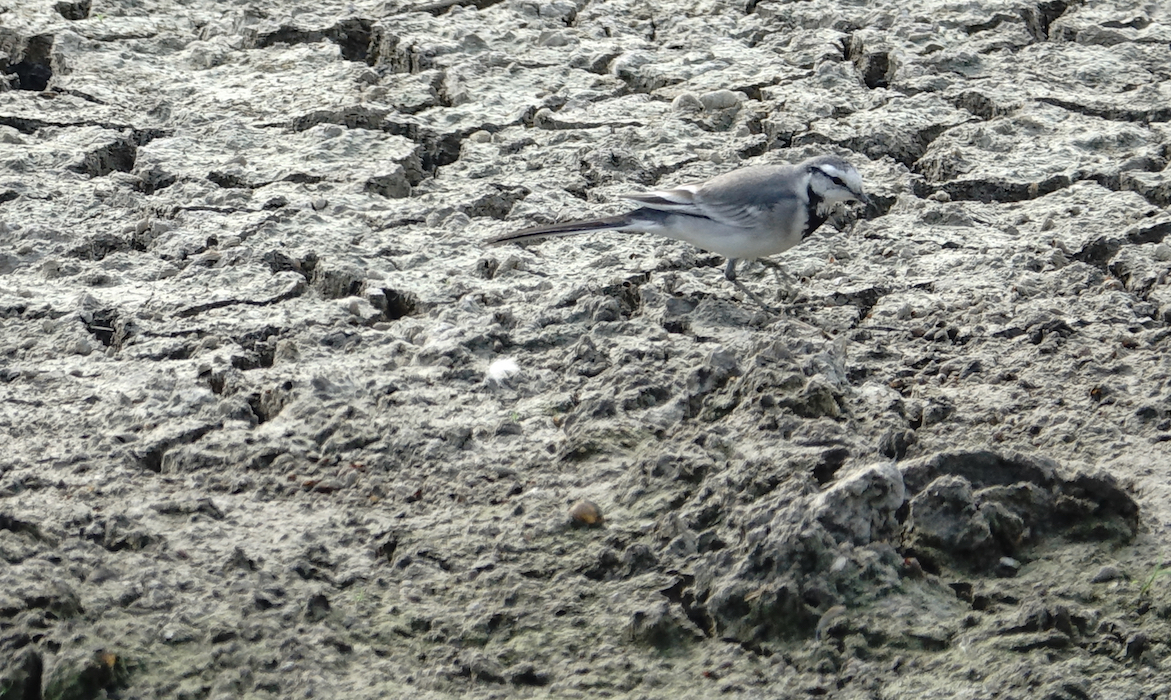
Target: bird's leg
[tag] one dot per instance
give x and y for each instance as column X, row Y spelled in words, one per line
column 730, row 275
column 774, row 265
column 784, row 278
column 730, row 270
column 756, row 299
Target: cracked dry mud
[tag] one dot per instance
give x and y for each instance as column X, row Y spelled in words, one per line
column 254, row 447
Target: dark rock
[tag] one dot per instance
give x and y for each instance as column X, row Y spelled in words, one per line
column 338, row 281
column 73, row 9
column 860, row 507
column 944, row 518
column 20, row 678
column 316, row 608
column 662, row 627
column 84, row 675
column 527, row 674
column 895, row 443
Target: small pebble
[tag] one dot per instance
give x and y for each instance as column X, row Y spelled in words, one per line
column 719, row 99
column 686, row 102
column 586, row 513
column 1007, row 567
column 553, row 39
column 11, row 135
column 828, row 618
column 327, row 486
column 1106, row 573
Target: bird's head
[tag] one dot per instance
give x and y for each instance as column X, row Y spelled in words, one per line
column 834, row 180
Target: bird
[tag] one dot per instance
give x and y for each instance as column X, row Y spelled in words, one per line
column 744, row 214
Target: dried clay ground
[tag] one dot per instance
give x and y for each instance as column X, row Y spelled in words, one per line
column 278, row 424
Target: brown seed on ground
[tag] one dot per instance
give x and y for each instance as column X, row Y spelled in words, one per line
column 586, row 513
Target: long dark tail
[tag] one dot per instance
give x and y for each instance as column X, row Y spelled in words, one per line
column 566, row 229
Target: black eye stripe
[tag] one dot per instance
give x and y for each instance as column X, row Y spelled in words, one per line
column 834, row 179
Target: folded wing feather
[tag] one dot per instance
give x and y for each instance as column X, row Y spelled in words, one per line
column 689, row 200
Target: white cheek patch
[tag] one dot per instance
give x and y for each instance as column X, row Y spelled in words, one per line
column 853, row 181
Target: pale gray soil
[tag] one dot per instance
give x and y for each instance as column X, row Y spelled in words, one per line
column 253, row 447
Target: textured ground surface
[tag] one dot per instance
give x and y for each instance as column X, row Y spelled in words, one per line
column 253, row 446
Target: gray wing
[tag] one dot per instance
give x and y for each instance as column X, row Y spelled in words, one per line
column 736, row 199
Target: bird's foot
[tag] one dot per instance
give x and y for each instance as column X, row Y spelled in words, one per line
column 756, row 298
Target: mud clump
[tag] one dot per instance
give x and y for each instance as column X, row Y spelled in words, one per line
column 277, row 423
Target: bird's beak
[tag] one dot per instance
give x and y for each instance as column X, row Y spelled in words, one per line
column 867, row 203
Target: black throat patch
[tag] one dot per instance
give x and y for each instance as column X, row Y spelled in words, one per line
column 813, row 215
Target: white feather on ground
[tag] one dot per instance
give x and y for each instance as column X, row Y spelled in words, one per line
column 500, row 371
